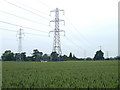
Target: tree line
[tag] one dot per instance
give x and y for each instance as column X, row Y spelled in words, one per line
column 8, row 55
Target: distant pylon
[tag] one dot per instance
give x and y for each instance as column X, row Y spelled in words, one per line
column 20, row 36
column 56, row 40
column 107, row 54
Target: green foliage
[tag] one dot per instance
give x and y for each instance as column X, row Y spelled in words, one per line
column 72, row 74
column 64, row 58
column 99, row 55
column 45, row 57
column 37, row 56
column 118, row 57
column 74, row 57
column 29, row 58
column 8, row 56
column 70, row 56
column 23, row 56
column 54, row 56
column 88, row 58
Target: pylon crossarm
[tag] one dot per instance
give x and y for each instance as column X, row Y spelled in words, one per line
column 52, row 21
column 50, row 32
column 62, row 20
column 63, row 12
column 62, row 31
column 51, row 11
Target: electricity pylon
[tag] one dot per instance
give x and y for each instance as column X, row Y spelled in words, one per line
column 20, row 36
column 56, row 39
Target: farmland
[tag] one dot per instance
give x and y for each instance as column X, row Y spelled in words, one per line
column 66, row 74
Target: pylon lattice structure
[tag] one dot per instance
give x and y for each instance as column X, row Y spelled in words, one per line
column 56, row 40
column 20, row 36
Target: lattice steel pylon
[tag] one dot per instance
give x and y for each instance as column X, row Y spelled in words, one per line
column 56, row 39
column 20, row 36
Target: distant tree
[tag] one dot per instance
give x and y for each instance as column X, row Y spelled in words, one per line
column 64, row 58
column 99, row 55
column 117, row 58
column 54, row 56
column 74, row 57
column 70, row 56
column 37, row 56
column 81, row 59
column 17, row 56
column 23, row 56
column 8, row 56
column 88, row 58
column 20, row 56
column 45, row 57
column 107, row 58
column 29, row 58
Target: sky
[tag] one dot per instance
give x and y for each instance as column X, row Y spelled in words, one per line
column 89, row 24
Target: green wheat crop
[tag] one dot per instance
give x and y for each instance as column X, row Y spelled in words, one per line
column 65, row 74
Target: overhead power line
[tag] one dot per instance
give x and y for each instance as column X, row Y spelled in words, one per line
column 49, row 7
column 75, row 36
column 23, row 18
column 24, row 32
column 85, row 41
column 74, row 43
column 76, row 29
column 7, row 29
column 72, row 37
column 22, row 26
column 78, row 48
column 26, row 10
column 31, row 8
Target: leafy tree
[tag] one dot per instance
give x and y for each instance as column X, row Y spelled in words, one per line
column 117, row 58
column 74, row 57
column 17, row 56
column 99, row 55
column 88, row 58
column 37, row 56
column 54, row 56
column 107, row 59
column 81, row 59
column 70, row 56
column 23, row 56
column 20, row 56
column 64, row 58
column 8, row 56
column 45, row 57
column 29, row 58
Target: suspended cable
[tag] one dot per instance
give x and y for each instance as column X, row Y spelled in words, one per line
column 31, row 8
column 72, row 33
column 44, row 4
column 73, row 42
column 87, row 42
column 7, row 29
column 26, row 10
column 76, row 37
column 76, row 29
column 23, row 18
column 22, row 26
column 75, row 45
column 24, row 32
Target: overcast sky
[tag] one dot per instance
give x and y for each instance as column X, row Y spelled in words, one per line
column 88, row 25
